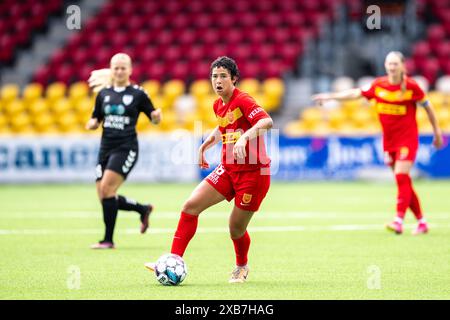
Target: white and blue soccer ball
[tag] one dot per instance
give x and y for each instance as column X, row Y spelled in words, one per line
column 170, row 269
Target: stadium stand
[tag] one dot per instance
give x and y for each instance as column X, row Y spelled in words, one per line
column 172, row 45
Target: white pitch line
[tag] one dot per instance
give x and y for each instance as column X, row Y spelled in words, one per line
column 212, row 215
column 210, row 229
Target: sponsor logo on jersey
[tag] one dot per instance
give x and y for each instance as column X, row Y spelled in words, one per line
column 393, row 96
column 127, row 99
column 231, row 137
column 115, row 109
column 404, row 151
column 230, row 117
column 391, row 109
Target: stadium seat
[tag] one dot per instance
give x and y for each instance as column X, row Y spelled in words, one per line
column 251, row 86
column 152, row 87
column 43, row 123
column 172, row 89
column 342, row 83
column 21, row 123
column 38, row 107
column 200, row 88
column 31, row 93
column 15, row 108
column 443, row 84
column 61, row 108
column 9, row 92
column 55, row 91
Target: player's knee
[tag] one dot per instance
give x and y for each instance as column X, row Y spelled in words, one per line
column 236, row 230
column 191, row 206
column 107, row 190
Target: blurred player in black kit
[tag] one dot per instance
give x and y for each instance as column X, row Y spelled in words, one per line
column 118, row 105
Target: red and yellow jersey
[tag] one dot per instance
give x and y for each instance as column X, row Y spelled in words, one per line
column 396, row 111
column 234, row 118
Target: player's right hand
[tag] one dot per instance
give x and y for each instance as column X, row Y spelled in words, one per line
column 320, row 98
column 202, row 163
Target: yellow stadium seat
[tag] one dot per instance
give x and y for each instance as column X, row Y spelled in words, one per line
column 160, row 102
column 152, row 87
column 169, row 121
column 361, row 118
column 20, row 123
column 32, row 92
column 78, row 91
column 172, row 89
column 421, row 116
column 295, row 128
column 250, row 85
column 68, row 122
column 336, row 118
column 14, row 108
column 273, row 87
column 61, row 107
column 443, row 116
column 85, row 105
column 437, row 99
column 144, row 124
column 8, row 93
column 201, row 88
column 322, row 129
column 43, row 123
column 38, row 107
column 55, row 91
column 3, row 121
column 311, row 117
column 205, row 104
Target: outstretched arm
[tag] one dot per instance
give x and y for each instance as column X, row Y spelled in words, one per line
column 213, row 139
column 343, row 95
column 437, row 141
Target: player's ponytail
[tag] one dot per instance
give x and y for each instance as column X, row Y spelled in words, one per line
column 100, row 79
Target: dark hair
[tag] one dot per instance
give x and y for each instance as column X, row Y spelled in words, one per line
column 226, row 63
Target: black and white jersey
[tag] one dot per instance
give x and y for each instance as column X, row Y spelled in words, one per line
column 119, row 109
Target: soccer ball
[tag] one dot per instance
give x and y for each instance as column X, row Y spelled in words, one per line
column 170, row 269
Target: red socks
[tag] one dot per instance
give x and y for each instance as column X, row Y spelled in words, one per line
column 415, row 206
column 404, row 194
column 407, row 197
column 187, row 225
column 241, row 246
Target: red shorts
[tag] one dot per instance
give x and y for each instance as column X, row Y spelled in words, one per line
column 405, row 153
column 248, row 188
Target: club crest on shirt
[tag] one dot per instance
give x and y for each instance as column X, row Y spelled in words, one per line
column 246, row 198
column 230, row 116
column 127, row 99
column 404, row 151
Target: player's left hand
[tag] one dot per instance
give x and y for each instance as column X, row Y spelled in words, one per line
column 438, row 141
column 239, row 148
column 156, row 116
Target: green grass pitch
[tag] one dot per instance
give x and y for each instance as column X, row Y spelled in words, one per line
column 309, row 241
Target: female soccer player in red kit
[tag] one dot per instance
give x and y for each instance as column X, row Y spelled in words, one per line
column 396, row 97
column 244, row 172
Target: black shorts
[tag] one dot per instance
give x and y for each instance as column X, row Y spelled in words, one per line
column 121, row 161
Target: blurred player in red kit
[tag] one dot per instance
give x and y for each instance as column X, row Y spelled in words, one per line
column 244, row 172
column 397, row 96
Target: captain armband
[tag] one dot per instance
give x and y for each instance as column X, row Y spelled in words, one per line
column 424, row 103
